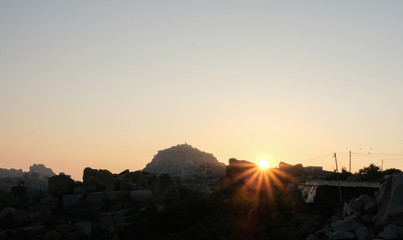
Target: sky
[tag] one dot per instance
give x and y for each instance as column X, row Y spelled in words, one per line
column 106, row 84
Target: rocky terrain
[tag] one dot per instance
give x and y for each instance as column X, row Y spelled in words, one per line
column 41, row 170
column 186, row 162
column 35, row 180
column 244, row 203
column 11, row 173
column 369, row 217
column 142, row 205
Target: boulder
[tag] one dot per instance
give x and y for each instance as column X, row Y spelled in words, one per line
column 141, row 195
column 63, row 229
column 357, row 205
column 367, row 218
column 142, row 183
column 239, row 168
column 365, row 199
column 389, row 201
column 53, row 235
column 164, row 189
column 72, row 201
column 38, row 214
column 348, row 210
column 361, row 233
column 107, row 225
column 135, row 180
column 345, row 225
column 392, row 231
column 370, row 207
column 128, row 186
column 128, row 176
column 360, row 205
column 84, row 228
column 341, row 235
column 32, row 231
column 312, row 237
column 293, row 173
column 60, row 184
column 95, row 200
column 21, row 218
column 51, row 202
column 123, row 173
column 149, row 177
column 117, row 195
column 101, row 179
column 7, row 217
column 79, row 189
column 73, row 236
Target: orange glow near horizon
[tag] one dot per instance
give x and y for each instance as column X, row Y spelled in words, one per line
column 262, row 181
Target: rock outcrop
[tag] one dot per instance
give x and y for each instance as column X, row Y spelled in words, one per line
column 390, row 201
column 239, row 167
column 104, row 205
column 164, row 189
column 293, row 173
column 60, row 184
column 186, row 162
column 366, row 218
column 41, row 170
column 98, row 179
column 11, row 173
column 34, row 180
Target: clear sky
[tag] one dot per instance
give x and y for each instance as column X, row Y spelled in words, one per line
column 107, row 84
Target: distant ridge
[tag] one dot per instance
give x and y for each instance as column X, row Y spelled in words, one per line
column 39, row 169
column 36, row 179
column 186, row 162
column 11, row 173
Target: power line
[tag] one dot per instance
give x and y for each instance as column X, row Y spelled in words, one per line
column 360, row 156
column 317, row 158
column 383, row 154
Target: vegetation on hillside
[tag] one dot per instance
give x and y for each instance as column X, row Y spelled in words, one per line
column 372, row 173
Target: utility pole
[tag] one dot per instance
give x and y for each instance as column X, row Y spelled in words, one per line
column 382, row 165
column 349, row 169
column 338, row 177
column 335, row 159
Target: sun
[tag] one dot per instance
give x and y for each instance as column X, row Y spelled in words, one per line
column 263, row 164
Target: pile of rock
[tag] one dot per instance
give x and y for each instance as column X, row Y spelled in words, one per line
column 239, row 168
column 292, row 173
column 34, row 180
column 29, row 224
column 74, row 210
column 367, row 217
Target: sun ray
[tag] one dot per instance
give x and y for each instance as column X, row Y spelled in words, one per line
column 260, row 183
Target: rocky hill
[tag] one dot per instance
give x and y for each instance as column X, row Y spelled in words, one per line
column 41, row 170
column 35, row 179
column 11, row 173
column 186, row 162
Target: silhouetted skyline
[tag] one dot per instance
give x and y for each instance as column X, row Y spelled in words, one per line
column 108, row 84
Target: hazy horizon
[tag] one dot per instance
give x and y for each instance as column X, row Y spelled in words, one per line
column 108, row 84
